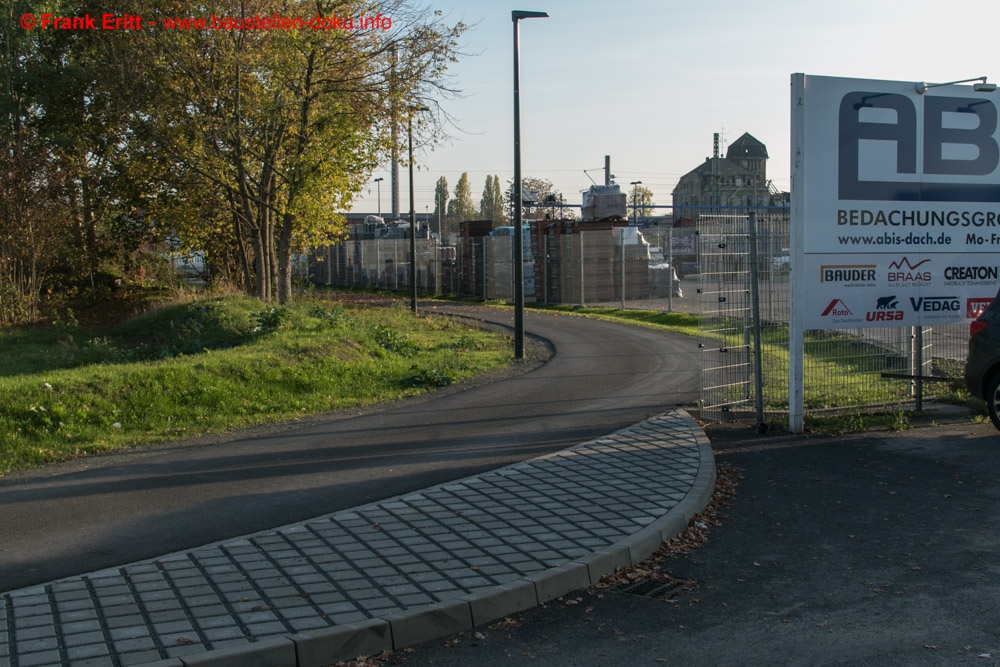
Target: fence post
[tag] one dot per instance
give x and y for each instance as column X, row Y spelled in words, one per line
column 582, row 301
column 671, row 269
column 621, row 243
column 919, row 359
column 545, row 269
column 755, row 296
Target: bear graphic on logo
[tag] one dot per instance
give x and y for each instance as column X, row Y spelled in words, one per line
column 887, row 303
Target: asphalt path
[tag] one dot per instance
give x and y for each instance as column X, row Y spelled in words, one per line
column 105, row 511
column 877, row 548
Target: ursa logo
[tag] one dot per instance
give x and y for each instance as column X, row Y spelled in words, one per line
column 929, row 133
column 885, row 310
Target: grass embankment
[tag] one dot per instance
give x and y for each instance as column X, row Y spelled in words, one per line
column 218, row 364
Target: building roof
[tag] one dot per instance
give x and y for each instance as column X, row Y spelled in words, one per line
column 747, row 146
column 727, row 167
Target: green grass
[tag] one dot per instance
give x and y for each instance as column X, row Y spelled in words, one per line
column 215, row 365
column 841, row 371
column 676, row 322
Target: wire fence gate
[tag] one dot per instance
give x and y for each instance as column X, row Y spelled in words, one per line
column 730, row 267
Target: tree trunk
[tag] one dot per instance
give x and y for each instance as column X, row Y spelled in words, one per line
column 285, row 259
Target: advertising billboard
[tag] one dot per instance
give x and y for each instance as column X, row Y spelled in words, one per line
column 899, row 201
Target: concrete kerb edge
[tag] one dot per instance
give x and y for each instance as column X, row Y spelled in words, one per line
column 641, row 545
column 400, row 629
column 276, row 652
column 519, row 595
column 318, row 648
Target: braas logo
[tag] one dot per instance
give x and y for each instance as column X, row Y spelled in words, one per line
column 886, row 310
column 847, row 273
column 936, row 304
column 957, row 137
column 903, row 271
column 975, row 307
column 837, row 308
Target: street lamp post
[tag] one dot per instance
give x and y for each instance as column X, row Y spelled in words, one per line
column 635, row 200
column 413, row 218
column 378, row 182
column 516, row 16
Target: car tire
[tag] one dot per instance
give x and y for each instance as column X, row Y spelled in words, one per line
column 993, row 400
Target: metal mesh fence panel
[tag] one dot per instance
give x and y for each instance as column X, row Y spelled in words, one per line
column 732, row 270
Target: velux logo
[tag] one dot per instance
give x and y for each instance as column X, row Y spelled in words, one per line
column 975, row 307
column 837, row 308
column 958, row 141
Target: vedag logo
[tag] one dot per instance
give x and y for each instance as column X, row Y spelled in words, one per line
column 957, row 141
column 936, row 304
column 904, row 271
column 837, row 308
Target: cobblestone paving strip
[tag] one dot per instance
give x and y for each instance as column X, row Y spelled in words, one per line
column 431, row 546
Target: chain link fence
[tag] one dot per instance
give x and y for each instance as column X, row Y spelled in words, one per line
column 730, row 268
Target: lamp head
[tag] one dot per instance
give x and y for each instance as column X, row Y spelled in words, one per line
column 518, row 15
column 981, row 87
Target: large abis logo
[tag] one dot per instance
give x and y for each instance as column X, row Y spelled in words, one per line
column 958, row 141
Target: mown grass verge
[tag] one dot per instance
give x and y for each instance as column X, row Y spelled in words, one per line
column 843, row 374
column 218, row 364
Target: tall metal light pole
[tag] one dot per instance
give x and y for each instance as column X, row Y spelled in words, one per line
column 635, row 198
column 516, row 16
column 413, row 217
column 378, row 182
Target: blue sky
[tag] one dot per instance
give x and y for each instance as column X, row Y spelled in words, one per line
column 648, row 82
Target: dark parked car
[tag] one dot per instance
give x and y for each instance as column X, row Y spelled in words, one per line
column 982, row 368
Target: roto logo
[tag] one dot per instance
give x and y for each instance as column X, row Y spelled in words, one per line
column 885, row 310
column 957, row 141
column 837, row 308
column 904, row 271
column 975, row 307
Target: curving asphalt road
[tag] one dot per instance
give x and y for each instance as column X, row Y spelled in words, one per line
column 101, row 512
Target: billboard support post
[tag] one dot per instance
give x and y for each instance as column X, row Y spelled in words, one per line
column 797, row 295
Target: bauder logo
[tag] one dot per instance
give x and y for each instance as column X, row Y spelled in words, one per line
column 886, row 310
column 975, row 307
column 848, row 275
column 904, row 273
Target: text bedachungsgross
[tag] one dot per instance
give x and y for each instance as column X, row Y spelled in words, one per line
column 904, row 218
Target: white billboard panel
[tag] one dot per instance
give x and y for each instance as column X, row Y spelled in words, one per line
column 899, row 202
